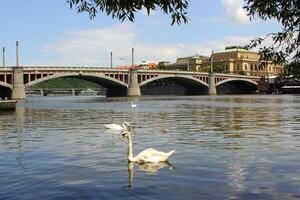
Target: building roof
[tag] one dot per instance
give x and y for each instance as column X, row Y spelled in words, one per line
column 235, row 49
column 194, row 56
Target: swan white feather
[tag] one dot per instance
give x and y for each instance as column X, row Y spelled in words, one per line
column 117, row 127
column 133, row 105
column 147, row 156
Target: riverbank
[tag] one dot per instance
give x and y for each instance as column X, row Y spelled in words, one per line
column 280, row 85
column 7, row 105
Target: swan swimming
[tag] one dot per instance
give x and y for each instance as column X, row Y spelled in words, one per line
column 147, row 156
column 133, row 105
column 117, row 127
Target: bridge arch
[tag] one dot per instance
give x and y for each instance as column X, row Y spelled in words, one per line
column 236, row 86
column 101, row 79
column 187, row 84
column 5, row 90
column 6, row 85
column 114, row 87
column 236, row 79
column 174, row 77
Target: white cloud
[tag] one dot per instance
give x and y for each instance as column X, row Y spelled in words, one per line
column 234, row 11
column 92, row 47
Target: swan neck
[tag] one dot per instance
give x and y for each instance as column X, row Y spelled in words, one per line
column 124, row 126
column 130, row 156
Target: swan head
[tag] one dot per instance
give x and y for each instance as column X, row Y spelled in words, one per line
column 126, row 125
column 126, row 134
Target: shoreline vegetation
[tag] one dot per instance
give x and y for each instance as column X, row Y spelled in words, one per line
column 67, row 83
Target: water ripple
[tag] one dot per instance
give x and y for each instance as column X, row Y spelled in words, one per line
column 227, row 147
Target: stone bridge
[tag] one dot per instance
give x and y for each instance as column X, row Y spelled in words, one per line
column 14, row 80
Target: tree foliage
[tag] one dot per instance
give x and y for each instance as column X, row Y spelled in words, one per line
column 66, row 83
column 217, row 68
column 292, row 68
column 126, row 9
column 242, row 72
column 286, row 42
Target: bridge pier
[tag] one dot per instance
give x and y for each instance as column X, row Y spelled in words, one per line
column 133, row 85
column 212, row 84
column 18, row 90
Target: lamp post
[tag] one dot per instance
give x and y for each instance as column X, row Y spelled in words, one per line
column 3, row 57
column 211, row 62
column 17, row 53
column 132, row 57
column 111, row 64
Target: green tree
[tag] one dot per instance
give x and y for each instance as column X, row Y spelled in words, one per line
column 242, row 72
column 66, row 83
column 126, row 9
column 286, row 42
column 217, row 68
column 292, row 68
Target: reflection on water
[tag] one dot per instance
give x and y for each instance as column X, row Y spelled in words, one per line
column 151, row 168
column 227, row 147
column 155, row 167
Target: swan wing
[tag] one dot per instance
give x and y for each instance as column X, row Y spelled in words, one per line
column 146, row 153
column 153, row 156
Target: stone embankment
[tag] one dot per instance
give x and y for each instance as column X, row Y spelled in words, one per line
column 7, row 105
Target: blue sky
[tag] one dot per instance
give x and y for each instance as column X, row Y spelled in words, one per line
column 50, row 33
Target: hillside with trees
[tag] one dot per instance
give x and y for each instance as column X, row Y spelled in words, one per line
column 66, row 83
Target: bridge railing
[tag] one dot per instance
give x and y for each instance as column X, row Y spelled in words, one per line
column 104, row 69
column 236, row 75
column 58, row 68
column 197, row 73
column 172, row 72
column 6, row 69
column 33, row 89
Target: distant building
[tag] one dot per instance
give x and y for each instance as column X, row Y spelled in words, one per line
column 239, row 60
column 192, row 63
column 148, row 65
column 233, row 60
column 143, row 65
column 162, row 64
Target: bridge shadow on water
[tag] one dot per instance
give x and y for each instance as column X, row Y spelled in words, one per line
column 236, row 87
column 173, row 87
column 5, row 92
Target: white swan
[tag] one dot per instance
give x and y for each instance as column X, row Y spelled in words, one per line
column 117, row 127
column 133, row 105
column 147, row 156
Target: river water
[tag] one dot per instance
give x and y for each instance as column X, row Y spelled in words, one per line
column 227, row 147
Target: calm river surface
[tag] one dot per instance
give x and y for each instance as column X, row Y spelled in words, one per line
column 227, row 147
